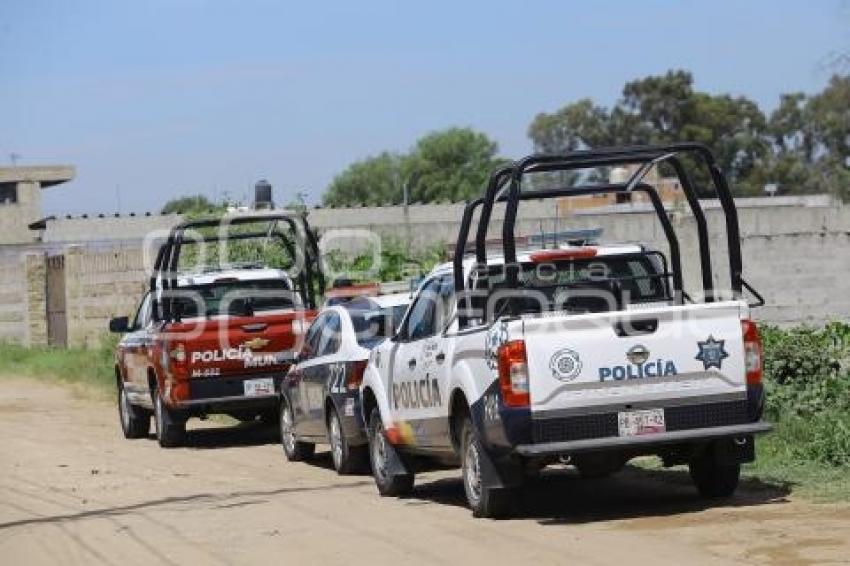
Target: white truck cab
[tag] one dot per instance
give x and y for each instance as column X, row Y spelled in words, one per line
column 578, row 353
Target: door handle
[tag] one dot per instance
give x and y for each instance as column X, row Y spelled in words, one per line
column 636, row 327
column 441, row 357
column 411, row 363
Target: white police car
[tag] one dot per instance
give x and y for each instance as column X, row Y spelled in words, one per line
column 320, row 398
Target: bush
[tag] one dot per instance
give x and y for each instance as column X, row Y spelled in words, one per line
column 807, row 384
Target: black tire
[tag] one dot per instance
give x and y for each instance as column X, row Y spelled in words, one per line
column 295, row 450
column 346, row 459
column 135, row 421
column 484, row 501
column 170, row 429
column 712, row 479
column 389, row 485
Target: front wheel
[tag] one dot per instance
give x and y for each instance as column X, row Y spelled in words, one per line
column 484, row 501
column 170, row 430
column 294, row 449
column 712, row 478
column 379, row 453
column 135, row 421
column 347, row 459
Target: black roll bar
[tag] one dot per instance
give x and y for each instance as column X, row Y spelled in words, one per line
column 469, row 211
column 635, row 154
column 164, row 276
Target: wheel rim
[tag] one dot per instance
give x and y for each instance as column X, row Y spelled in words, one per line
column 336, row 441
column 379, row 454
column 124, row 408
column 472, row 472
column 287, row 431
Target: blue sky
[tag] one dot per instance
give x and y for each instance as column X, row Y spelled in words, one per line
column 154, row 99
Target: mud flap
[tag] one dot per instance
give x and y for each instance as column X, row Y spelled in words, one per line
column 497, row 474
column 395, row 463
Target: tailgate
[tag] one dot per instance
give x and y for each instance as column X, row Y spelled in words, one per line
column 235, row 346
column 667, row 355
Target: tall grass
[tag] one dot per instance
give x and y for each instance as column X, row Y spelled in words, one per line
column 92, row 369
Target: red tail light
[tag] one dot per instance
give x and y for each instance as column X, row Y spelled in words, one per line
column 355, row 378
column 561, row 255
column 178, row 359
column 513, row 374
column 753, row 352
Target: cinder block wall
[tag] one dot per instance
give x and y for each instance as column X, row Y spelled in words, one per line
column 14, row 297
column 99, row 286
column 797, row 257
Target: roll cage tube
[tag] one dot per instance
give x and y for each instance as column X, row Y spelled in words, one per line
column 164, row 276
column 642, row 155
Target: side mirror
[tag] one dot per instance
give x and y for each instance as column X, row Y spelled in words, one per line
column 119, row 325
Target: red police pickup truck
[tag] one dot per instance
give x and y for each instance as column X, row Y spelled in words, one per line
column 211, row 341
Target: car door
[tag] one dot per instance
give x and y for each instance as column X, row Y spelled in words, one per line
column 418, row 382
column 296, row 390
column 320, row 373
column 134, row 349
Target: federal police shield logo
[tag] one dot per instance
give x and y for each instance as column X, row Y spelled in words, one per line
column 712, row 353
column 565, row 365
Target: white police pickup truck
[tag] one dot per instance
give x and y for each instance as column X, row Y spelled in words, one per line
column 584, row 354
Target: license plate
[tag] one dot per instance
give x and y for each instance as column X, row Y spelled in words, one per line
column 633, row 423
column 261, row 386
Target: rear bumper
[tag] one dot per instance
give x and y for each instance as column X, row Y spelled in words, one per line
column 227, row 393
column 642, row 441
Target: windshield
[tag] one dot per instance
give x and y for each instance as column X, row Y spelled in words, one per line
column 373, row 325
column 587, row 285
column 234, row 297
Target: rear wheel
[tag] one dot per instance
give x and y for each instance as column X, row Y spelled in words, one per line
column 483, row 500
column 135, row 421
column 295, row 450
column 170, row 430
column 379, row 453
column 347, row 459
column 712, row 478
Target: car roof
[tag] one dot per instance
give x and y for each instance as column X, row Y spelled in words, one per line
column 391, row 300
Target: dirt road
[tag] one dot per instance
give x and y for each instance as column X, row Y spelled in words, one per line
column 75, row 492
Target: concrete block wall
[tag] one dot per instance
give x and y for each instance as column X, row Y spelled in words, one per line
column 99, row 286
column 13, row 299
column 798, row 257
column 35, row 265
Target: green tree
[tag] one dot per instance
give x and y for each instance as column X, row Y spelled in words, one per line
column 661, row 109
column 189, row 204
column 450, row 165
column 447, row 165
column 372, row 181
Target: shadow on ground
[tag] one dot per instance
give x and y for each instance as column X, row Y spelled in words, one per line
column 561, row 496
column 231, row 435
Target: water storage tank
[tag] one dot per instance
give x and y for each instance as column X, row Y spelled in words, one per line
column 263, row 195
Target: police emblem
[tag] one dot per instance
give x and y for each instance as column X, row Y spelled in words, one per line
column 637, row 354
column 712, row 353
column 565, row 365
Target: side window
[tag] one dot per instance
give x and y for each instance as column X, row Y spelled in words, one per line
column 311, row 340
column 331, row 336
column 422, row 320
column 143, row 313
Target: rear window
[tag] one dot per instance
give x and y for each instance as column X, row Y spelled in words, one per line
column 234, row 297
column 373, row 324
column 581, row 284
